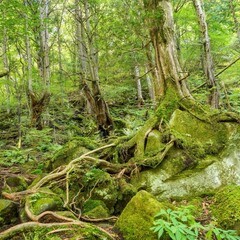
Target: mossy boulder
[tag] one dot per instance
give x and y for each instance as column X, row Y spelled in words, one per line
column 154, row 143
column 126, row 192
column 95, row 209
column 73, row 149
column 15, row 184
column 138, row 216
column 197, row 136
column 8, row 212
column 102, row 187
column 183, row 174
column 226, row 208
column 44, row 200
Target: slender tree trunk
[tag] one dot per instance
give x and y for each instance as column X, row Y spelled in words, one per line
column 39, row 102
column 150, row 86
column 44, row 43
column 140, row 101
column 88, row 58
column 151, row 68
column 6, row 66
column 235, row 19
column 28, row 61
column 207, row 56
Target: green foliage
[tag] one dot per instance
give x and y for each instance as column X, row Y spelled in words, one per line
column 43, row 140
column 14, row 156
column 180, row 224
column 94, row 176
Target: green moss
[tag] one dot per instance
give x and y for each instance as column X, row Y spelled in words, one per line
column 198, row 137
column 226, row 208
column 87, row 232
column 168, row 105
column 98, row 212
column 71, row 150
column 154, row 143
column 16, row 184
column 138, row 216
column 44, row 200
column 91, row 204
column 101, row 186
column 127, row 191
column 8, row 211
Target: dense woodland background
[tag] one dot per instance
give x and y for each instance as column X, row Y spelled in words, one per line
column 52, row 50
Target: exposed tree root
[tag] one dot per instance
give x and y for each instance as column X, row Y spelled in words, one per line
column 64, row 172
column 153, row 162
column 139, row 138
column 20, row 228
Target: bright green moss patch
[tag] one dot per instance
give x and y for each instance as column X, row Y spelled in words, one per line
column 168, row 105
column 71, row 150
column 44, row 200
column 138, row 216
column 226, row 208
column 197, row 136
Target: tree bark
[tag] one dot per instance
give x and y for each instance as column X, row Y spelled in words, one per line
column 88, row 68
column 44, row 43
column 161, row 29
column 6, row 65
column 235, row 19
column 140, row 100
column 150, row 86
column 207, row 56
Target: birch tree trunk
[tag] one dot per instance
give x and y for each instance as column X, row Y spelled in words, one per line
column 44, row 43
column 140, row 100
column 207, row 56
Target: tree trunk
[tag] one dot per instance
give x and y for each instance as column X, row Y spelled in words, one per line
column 38, row 105
column 169, row 72
column 6, row 66
column 88, row 67
column 139, row 87
column 207, row 56
column 152, row 69
column 44, row 43
column 150, row 86
column 235, row 19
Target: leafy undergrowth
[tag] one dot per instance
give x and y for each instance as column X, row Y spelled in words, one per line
column 181, row 224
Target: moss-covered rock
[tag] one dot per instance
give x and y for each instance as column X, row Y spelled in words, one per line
column 102, row 187
column 44, row 200
column 226, row 208
column 198, row 137
column 71, row 150
column 15, row 184
column 98, row 212
column 127, row 191
column 183, row 174
column 95, row 209
column 154, row 143
column 8, row 212
column 138, row 216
